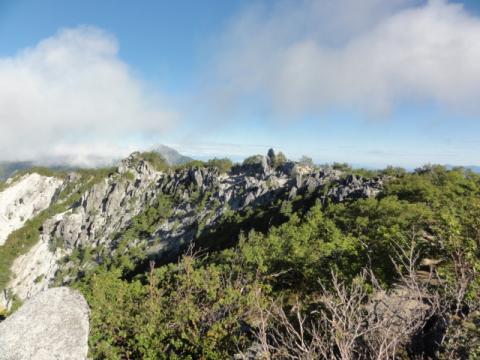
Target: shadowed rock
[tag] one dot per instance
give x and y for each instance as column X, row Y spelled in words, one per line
column 52, row 325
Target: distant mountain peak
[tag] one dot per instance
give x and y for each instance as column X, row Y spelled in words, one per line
column 172, row 156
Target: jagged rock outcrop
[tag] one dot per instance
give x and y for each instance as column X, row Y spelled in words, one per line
column 108, row 206
column 103, row 210
column 23, row 199
column 52, row 325
column 355, row 187
column 201, row 196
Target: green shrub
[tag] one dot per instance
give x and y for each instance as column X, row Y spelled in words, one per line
column 251, row 160
column 223, row 165
column 207, row 307
column 155, row 159
column 181, row 311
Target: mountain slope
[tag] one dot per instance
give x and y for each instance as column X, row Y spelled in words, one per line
column 226, row 253
column 185, row 204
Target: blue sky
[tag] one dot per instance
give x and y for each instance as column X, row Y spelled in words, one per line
column 336, row 80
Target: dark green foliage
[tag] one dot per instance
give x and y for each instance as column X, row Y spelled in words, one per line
column 3, row 185
column 299, row 253
column 207, row 306
column 128, row 175
column 279, row 160
column 180, row 311
column 223, row 165
column 130, row 246
column 194, row 309
column 380, row 226
column 191, row 164
column 226, row 233
column 393, row 171
column 276, row 160
column 155, row 159
column 144, row 224
column 342, row 166
column 44, row 171
column 251, row 160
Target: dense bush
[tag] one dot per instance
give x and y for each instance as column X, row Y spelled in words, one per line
column 223, row 165
column 179, row 311
column 211, row 306
column 155, row 159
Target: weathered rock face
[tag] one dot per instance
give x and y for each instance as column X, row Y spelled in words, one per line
column 52, row 325
column 201, row 197
column 32, row 271
column 23, row 199
column 107, row 207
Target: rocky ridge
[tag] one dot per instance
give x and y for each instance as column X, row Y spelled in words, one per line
column 199, row 199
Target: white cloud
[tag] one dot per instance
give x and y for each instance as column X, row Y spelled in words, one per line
column 72, row 96
column 368, row 55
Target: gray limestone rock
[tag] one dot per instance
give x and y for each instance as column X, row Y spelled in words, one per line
column 52, row 325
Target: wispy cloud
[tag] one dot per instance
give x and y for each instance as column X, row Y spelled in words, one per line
column 312, row 55
column 208, row 150
column 72, row 96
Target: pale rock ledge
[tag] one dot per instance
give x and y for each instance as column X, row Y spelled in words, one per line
column 23, row 199
column 54, row 324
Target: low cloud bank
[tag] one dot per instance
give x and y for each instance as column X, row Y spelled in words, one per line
column 71, row 97
column 371, row 56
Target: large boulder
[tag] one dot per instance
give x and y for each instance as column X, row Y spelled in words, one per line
column 52, row 325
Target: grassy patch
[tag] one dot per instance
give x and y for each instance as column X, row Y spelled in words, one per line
column 3, row 186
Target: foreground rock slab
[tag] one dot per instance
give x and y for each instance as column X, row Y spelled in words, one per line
column 52, row 325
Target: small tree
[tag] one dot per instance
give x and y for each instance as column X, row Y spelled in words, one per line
column 223, row 165
column 280, row 159
column 306, row 161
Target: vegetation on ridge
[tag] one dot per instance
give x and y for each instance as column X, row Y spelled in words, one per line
column 214, row 305
column 293, row 278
